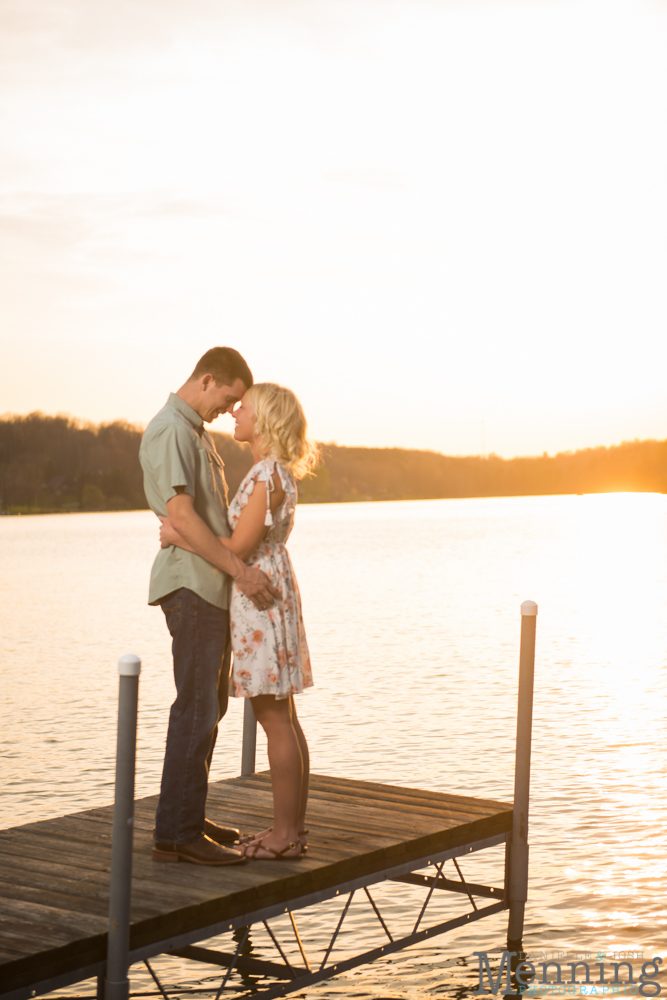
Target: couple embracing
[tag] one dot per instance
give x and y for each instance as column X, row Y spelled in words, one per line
column 224, row 581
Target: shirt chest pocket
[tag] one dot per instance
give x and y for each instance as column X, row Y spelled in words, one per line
column 215, row 472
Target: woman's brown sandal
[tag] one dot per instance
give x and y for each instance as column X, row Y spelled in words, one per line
column 274, row 855
column 249, row 838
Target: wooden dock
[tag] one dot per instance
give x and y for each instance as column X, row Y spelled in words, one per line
column 54, row 876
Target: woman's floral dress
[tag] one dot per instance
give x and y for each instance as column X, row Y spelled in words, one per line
column 270, row 649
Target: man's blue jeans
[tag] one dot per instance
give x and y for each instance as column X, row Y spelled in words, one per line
column 201, row 652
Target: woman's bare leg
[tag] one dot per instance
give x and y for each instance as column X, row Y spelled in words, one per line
column 305, row 756
column 287, row 766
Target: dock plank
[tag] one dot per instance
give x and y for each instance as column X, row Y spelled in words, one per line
column 54, row 874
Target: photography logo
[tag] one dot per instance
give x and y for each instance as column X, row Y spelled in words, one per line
column 576, row 978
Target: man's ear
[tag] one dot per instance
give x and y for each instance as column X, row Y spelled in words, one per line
column 206, row 382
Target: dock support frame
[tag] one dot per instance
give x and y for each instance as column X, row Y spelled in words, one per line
column 301, row 976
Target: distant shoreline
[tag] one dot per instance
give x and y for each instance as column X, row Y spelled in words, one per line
column 319, row 503
column 56, row 464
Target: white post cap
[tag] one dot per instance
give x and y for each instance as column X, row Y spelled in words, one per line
column 529, row 608
column 129, row 665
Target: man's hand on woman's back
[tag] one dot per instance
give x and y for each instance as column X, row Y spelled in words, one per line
column 257, row 587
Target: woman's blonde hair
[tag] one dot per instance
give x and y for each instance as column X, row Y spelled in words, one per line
column 281, row 427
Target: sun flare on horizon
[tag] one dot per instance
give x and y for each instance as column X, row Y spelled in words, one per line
column 440, row 224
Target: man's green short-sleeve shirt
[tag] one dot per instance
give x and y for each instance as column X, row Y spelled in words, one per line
column 177, row 451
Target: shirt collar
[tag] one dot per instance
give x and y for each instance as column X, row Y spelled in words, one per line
column 186, row 410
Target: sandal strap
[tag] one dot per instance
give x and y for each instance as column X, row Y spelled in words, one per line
column 255, row 845
column 248, row 838
column 290, row 847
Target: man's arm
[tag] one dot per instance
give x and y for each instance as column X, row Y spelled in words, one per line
column 250, row 528
column 250, row 580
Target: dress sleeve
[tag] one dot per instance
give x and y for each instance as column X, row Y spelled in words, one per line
column 260, row 473
column 265, row 475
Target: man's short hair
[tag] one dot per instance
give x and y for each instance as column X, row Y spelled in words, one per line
column 225, row 365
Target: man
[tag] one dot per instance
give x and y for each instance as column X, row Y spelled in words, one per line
column 184, row 480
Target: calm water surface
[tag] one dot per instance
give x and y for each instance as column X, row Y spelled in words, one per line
column 412, row 613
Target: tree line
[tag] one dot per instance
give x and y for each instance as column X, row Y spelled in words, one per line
column 62, row 464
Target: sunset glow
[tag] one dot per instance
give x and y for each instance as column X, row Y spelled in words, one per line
column 441, row 224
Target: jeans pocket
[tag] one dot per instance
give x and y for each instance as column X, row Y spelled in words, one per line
column 172, row 612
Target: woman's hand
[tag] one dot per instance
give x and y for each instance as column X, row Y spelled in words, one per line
column 168, row 534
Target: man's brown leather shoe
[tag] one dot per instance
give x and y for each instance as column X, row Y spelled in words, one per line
column 202, row 851
column 221, row 834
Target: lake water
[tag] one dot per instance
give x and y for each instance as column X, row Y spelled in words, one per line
column 412, row 614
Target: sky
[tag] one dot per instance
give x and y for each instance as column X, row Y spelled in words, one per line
column 443, row 223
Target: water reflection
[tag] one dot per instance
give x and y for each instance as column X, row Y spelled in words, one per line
column 412, row 611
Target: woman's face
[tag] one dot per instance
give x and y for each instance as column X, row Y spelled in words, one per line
column 244, row 415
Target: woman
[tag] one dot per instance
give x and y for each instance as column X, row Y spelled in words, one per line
column 271, row 661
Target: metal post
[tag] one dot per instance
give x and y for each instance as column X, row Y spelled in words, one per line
column 518, row 852
column 117, row 984
column 249, row 739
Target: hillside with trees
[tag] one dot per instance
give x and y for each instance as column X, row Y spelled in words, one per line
column 61, row 464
